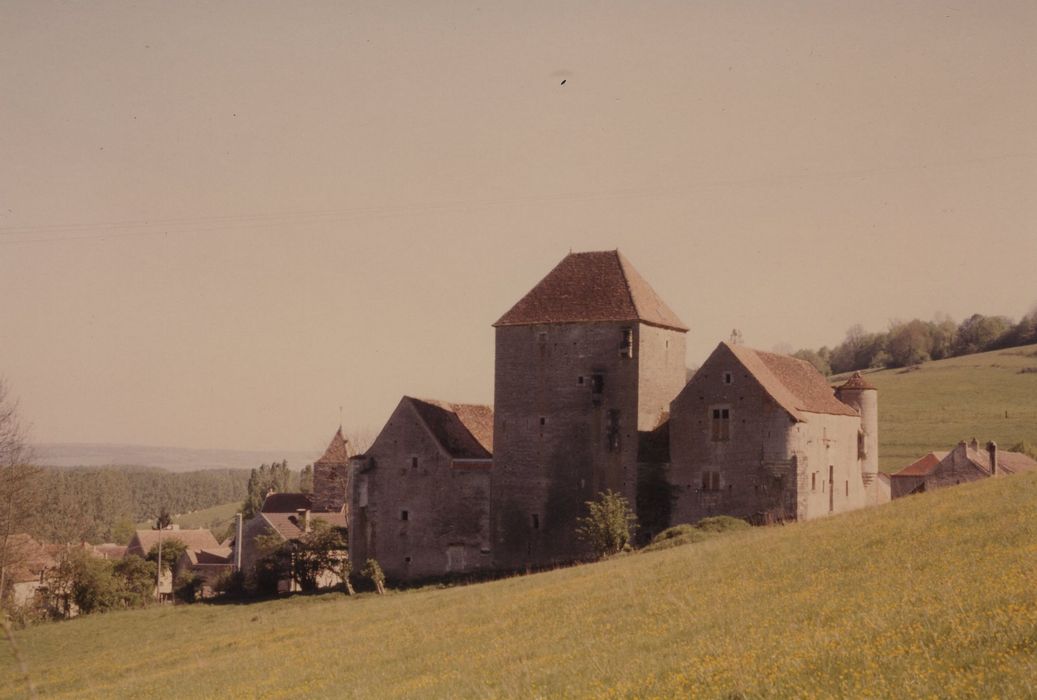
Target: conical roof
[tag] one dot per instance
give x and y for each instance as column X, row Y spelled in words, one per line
column 338, row 450
column 856, row 381
column 589, row 287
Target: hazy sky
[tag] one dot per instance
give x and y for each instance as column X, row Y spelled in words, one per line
column 220, row 221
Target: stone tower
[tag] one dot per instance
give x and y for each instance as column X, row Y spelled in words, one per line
column 331, row 476
column 857, row 393
column 585, row 360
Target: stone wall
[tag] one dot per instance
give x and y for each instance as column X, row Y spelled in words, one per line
column 567, row 410
column 415, row 509
column 770, row 467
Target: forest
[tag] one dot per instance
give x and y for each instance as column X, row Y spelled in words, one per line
column 101, row 504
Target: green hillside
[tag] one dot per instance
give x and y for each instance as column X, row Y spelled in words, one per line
column 929, row 596
column 990, row 396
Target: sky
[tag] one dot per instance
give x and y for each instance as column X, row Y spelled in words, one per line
column 230, row 224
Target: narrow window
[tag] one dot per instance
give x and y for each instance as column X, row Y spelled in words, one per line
column 535, row 519
column 579, row 380
column 404, row 515
column 543, row 420
column 727, row 377
column 626, row 343
column 721, row 426
column 813, row 481
column 597, row 383
column 847, row 489
column 413, row 462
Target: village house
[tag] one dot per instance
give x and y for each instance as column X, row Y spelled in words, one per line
column 421, row 493
column 144, row 540
column 966, row 462
column 207, row 565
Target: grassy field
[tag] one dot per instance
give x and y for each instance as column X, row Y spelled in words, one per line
column 217, row 518
column 986, row 396
column 929, row 596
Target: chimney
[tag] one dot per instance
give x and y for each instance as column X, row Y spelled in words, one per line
column 302, row 518
column 992, row 451
column 974, row 444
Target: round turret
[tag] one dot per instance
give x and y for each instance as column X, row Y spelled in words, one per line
column 858, row 393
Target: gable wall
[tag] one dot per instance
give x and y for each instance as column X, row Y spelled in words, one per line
column 446, row 507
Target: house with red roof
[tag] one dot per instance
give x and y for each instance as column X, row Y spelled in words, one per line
column 422, row 491
column 966, row 462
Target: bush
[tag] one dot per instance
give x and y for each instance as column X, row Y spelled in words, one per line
column 187, row 587
column 609, row 524
column 705, row 529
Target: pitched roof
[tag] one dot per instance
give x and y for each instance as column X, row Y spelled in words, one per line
column 1010, row 462
column 465, row 431
column 338, row 450
column 923, row 466
column 794, row 384
column 286, row 502
column 589, row 287
column 144, row 540
column 287, row 525
column 856, row 381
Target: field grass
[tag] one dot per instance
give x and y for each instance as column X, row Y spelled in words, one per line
column 929, row 596
column 987, row 396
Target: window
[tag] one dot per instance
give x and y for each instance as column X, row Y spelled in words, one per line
column 535, row 521
column 543, row 420
column 404, row 515
column 579, row 380
column 727, row 378
column 813, row 481
column 721, row 425
column 626, row 343
column 597, row 383
column 847, row 489
column 413, row 462
column 406, row 560
column 710, row 481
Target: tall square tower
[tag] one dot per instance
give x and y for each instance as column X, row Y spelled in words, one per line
column 585, row 360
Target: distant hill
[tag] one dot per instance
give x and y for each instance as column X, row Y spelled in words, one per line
column 928, row 596
column 176, row 459
column 989, row 396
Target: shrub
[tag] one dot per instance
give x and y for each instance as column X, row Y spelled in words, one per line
column 705, row 529
column 608, row 525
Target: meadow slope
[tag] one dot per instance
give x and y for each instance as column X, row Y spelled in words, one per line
column 990, row 396
column 929, row 596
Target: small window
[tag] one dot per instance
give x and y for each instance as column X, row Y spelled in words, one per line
column 626, row 343
column 543, row 420
column 579, row 380
column 727, row 378
column 413, row 462
column 847, row 489
column 404, row 515
column 535, row 521
column 406, row 560
column 597, row 383
column 813, row 481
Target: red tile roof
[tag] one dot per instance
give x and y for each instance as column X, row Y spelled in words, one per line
column 287, row 525
column 338, row 450
column 923, row 466
column 794, row 384
column 465, row 431
column 589, row 287
column 856, row 381
column 144, row 540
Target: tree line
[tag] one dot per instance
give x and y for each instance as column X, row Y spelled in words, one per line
column 912, row 342
column 102, row 504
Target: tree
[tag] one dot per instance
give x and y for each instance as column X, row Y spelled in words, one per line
column 305, row 559
column 373, row 570
column 909, row 343
column 20, row 491
column 819, row 362
column 978, row 333
column 164, row 520
column 137, row 580
column 609, row 524
column 171, row 549
column 268, row 477
column 306, row 479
